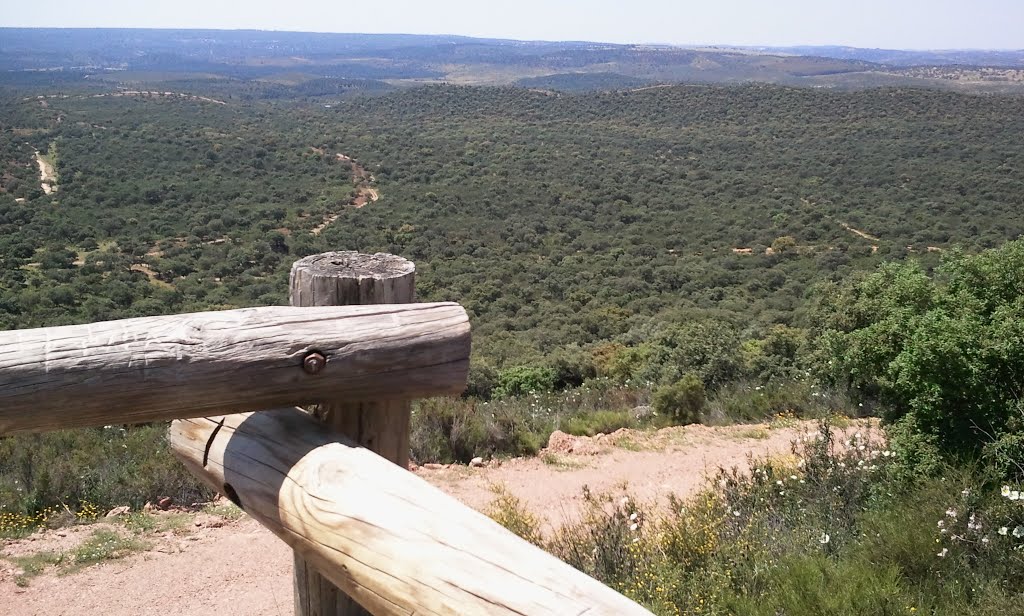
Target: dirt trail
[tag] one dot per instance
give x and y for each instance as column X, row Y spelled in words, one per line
column 364, row 193
column 860, row 233
column 241, row 569
column 158, row 94
column 47, row 174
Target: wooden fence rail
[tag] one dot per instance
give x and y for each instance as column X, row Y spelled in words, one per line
column 367, row 534
column 388, row 539
column 170, row 367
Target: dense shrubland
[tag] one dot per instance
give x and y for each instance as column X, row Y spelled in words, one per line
column 592, row 240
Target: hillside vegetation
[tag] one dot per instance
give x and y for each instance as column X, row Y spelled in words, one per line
column 629, row 258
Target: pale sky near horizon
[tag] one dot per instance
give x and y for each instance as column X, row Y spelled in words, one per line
column 894, row 24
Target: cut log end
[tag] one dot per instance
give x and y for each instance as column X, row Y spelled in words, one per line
column 351, row 264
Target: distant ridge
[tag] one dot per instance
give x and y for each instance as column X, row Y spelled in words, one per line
column 151, row 55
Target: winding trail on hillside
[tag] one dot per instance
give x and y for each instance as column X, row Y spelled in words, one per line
column 47, row 174
column 861, row 234
column 239, row 568
column 364, row 192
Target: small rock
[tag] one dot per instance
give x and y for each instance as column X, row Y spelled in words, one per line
column 477, row 462
column 198, row 523
column 165, row 502
column 413, row 467
column 148, row 507
column 118, row 511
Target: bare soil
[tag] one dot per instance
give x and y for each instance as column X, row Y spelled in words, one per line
column 238, row 568
column 47, row 175
column 364, row 193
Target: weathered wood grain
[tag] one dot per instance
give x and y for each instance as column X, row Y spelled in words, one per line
column 389, row 540
column 382, row 426
column 166, row 367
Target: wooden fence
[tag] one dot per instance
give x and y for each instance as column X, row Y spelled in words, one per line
column 368, row 536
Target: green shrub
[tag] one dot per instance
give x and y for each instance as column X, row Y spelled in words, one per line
column 599, row 422
column 451, row 430
column 105, row 467
column 916, row 453
column 947, row 348
column 1005, row 455
column 506, row 509
column 815, row 585
column 683, row 401
column 523, row 380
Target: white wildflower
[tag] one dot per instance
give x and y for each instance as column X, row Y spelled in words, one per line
column 825, row 538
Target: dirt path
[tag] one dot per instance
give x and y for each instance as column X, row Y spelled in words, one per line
column 241, row 569
column 158, row 94
column 47, row 174
column 364, row 193
column 861, row 234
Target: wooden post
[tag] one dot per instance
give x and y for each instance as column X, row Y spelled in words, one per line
column 340, row 279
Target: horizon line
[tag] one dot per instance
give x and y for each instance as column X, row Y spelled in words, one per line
column 515, row 40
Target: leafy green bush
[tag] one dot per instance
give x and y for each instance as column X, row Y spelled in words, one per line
column 683, row 401
column 947, row 349
column 705, row 347
column 523, row 380
column 917, row 452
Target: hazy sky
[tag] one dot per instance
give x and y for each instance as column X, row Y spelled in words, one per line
column 908, row 24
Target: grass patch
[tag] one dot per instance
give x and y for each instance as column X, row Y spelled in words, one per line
column 752, row 433
column 141, row 523
column 103, row 545
column 629, row 444
column 562, row 463
column 34, row 564
column 226, row 510
column 599, row 422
